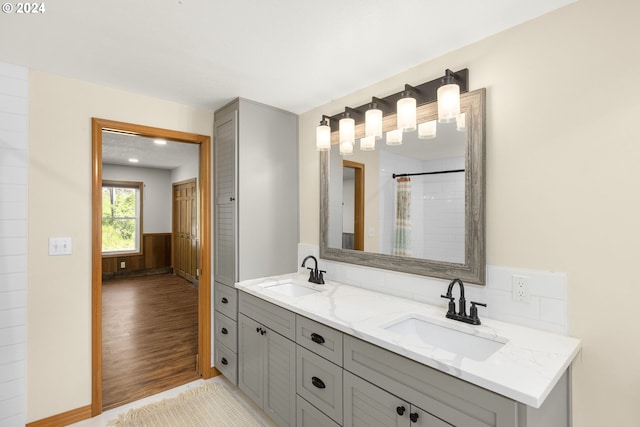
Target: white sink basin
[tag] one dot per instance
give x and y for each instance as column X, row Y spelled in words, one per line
column 292, row 289
column 471, row 344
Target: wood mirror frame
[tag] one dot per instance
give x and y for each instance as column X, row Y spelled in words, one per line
column 473, row 268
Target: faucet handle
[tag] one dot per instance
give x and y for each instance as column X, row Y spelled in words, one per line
column 452, row 304
column 320, row 278
column 473, row 312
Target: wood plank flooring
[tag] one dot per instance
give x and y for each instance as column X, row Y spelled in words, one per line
column 149, row 337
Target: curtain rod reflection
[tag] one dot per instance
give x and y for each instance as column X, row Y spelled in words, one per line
column 400, row 175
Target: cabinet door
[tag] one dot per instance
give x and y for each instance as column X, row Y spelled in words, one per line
column 280, row 378
column 366, row 405
column 250, row 359
column 226, row 223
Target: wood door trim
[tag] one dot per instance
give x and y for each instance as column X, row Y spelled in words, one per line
column 358, row 215
column 204, row 288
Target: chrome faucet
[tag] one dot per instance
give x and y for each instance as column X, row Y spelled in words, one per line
column 461, row 315
column 315, row 275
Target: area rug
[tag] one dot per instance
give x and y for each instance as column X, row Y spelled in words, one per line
column 211, row 405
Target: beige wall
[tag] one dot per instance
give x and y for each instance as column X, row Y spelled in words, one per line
column 563, row 101
column 59, row 288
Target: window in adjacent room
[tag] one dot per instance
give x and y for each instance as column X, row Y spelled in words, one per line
column 121, row 217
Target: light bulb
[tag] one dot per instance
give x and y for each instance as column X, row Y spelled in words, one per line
column 406, row 114
column 373, row 123
column 347, row 130
column 448, row 103
column 368, row 143
column 323, row 136
column 427, row 130
column 394, row 137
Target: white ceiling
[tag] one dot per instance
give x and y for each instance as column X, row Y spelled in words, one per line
column 293, row 54
column 118, row 148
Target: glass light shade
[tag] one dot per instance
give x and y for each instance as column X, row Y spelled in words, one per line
column 448, row 103
column 394, row 137
column 347, row 130
column 373, row 123
column 323, row 138
column 368, row 143
column 427, row 130
column 461, row 122
column 406, row 114
column 346, row 148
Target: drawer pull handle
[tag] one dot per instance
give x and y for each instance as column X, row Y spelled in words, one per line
column 224, row 300
column 224, row 361
column 400, row 410
column 317, row 382
column 318, row 339
column 414, row 417
column 224, row 331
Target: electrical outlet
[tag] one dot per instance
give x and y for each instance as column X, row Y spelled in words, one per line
column 520, row 288
column 123, row 264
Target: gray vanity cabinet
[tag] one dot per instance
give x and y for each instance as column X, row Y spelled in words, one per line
column 256, row 206
column 267, row 359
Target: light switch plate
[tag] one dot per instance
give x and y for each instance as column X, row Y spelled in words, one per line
column 59, row 246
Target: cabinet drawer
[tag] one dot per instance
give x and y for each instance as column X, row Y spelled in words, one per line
column 226, row 300
column 270, row 315
column 446, row 397
column 226, row 361
column 319, row 338
column 226, row 331
column 309, row 416
column 319, row 382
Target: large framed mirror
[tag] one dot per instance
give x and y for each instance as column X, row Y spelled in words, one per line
column 424, row 199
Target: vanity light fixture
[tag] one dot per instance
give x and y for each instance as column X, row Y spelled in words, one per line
column 427, row 130
column 448, row 98
column 323, row 135
column 406, row 105
column 394, row 137
column 406, row 110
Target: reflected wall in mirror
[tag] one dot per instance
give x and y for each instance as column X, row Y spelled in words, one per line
column 423, row 205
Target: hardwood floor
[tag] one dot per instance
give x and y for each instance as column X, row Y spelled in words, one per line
column 149, row 336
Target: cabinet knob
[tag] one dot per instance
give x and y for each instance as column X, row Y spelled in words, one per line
column 224, row 361
column 318, row 339
column 262, row 332
column 414, row 417
column 258, row 330
column 400, row 410
column 224, row 300
column 317, row 382
column 224, row 331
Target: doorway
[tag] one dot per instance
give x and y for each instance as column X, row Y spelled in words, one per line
column 353, row 205
column 201, row 244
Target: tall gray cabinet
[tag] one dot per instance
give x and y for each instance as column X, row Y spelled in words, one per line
column 256, row 209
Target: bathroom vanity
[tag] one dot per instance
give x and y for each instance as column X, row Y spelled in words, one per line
column 337, row 355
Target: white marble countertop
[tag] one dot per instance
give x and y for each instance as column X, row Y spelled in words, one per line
column 525, row 368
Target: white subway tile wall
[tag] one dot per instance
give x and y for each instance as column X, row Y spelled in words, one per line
column 546, row 310
column 13, row 242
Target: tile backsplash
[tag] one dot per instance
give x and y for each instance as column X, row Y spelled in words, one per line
column 13, row 242
column 546, row 309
